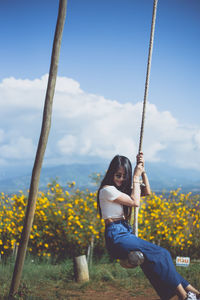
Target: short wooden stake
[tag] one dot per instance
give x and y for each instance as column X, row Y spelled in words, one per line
column 90, row 252
column 15, row 250
column 81, row 269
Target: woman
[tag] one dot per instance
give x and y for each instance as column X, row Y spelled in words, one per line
column 115, row 200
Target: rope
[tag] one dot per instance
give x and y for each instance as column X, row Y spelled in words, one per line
column 135, row 226
column 148, row 73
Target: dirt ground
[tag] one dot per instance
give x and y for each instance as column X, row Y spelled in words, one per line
column 111, row 293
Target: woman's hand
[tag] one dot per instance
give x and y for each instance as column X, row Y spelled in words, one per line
column 139, row 169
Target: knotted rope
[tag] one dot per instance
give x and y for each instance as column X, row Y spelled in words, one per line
column 136, row 209
column 136, row 258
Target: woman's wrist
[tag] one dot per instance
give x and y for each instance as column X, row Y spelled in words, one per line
column 136, row 181
column 136, row 178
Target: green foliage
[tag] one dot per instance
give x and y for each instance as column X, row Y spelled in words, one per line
column 49, row 281
column 66, row 221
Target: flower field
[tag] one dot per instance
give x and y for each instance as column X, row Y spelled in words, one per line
column 172, row 221
column 66, row 221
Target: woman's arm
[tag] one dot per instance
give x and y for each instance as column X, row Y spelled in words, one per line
column 139, row 169
column 124, row 199
column 134, row 199
column 147, row 190
column 136, row 190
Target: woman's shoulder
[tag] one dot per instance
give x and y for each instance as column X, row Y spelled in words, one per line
column 108, row 187
column 109, row 192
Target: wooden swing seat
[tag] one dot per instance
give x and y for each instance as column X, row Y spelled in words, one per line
column 134, row 259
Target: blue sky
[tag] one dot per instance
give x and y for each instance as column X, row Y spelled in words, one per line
column 103, row 56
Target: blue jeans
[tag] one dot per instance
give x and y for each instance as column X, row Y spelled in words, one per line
column 158, row 265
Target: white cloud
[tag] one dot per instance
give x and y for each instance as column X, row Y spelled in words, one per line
column 20, row 148
column 197, row 140
column 88, row 125
column 2, row 135
column 67, row 144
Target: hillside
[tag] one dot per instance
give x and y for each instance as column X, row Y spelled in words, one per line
column 161, row 177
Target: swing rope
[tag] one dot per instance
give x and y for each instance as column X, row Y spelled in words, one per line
column 136, row 209
column 148, row 73
column 136, row 258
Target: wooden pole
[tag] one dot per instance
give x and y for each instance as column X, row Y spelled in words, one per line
column 90, row 252
column 81, row 269
column 46, row 124
column 15, row 250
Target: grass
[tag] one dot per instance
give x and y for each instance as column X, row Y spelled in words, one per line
column 43, row 280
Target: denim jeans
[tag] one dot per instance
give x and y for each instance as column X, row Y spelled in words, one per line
column 158, row 265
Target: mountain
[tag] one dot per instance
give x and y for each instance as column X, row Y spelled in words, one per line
column 161, row 177
column 165, row 177
column 80, row 173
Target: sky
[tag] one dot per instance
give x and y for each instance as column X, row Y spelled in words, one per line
column 100, row 84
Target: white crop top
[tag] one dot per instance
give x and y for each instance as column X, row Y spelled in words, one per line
column 110, row 209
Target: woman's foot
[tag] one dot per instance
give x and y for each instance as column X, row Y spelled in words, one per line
column 191, row 296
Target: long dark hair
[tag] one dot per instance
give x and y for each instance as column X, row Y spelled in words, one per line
column 117, row 162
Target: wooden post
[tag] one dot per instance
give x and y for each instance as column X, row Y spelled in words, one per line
column 90, row 252
column 46, row 124
column 15, row 250
column 81, row 269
